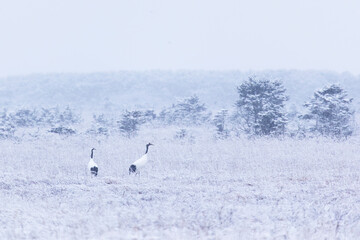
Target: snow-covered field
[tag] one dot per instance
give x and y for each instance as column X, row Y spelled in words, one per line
column 200, row 189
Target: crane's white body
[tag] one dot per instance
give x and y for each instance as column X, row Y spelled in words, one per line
column 138, row 164
column 92, row 164
column 141, row 161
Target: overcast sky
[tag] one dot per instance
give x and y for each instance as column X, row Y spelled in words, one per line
column 40, row 36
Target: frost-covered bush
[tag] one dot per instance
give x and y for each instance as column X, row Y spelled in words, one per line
column 184, row 135
column 219, row 121
column 25, row 118
column 58, row 120
column 294, row 127
column 68, row 117
column 62, row 130
column 130, row 122
column 260, row 108
column 330, row 112
column 100, row 125
column 7, row 129
column 181, row 134
column 149, row 115
column 188, row 111
column 43, row 117
column 98, row 131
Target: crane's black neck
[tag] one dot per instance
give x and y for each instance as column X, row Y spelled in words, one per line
column 147, row 148
column 92, row 153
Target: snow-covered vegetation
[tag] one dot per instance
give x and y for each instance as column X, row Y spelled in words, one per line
column 218, row 168
column 205, row 188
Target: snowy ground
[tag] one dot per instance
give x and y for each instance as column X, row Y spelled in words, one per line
column 207, row 189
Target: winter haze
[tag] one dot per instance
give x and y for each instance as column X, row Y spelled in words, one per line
column 252, row 107
column 93, row 36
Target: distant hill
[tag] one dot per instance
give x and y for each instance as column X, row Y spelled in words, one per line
column 115, row 91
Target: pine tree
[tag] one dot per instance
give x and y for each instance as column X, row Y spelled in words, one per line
column 130, row 122
column 260, row 107
column 330, row 112
column 188, row 111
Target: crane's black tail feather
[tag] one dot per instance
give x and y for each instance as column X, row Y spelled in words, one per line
column 132, row 169
column 94, row 171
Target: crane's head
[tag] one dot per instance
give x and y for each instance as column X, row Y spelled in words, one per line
column 149, row 144
column 93, row 149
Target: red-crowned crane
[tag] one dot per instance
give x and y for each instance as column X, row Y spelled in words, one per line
column 138, row 164
column 92, row 166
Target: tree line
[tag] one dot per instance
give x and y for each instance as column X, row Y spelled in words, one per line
column 260, row 110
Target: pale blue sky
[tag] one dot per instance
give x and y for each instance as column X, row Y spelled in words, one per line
column 39, row 36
